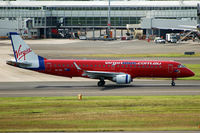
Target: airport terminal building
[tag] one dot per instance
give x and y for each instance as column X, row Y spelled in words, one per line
column 41, row 18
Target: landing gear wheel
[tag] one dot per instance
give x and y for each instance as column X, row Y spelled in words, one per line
column 101, row 83
column 173, row 83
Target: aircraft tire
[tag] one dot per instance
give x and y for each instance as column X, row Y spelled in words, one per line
column 173, row 83
column 101, row 83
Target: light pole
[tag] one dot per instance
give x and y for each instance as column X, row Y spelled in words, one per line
column 108, row 19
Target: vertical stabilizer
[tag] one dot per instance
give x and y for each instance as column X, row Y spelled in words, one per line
column 24, row 54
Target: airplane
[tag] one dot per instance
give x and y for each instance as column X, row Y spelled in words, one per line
column 119, row 71
column 189, row 27
column 195, row 28
column 191, row 30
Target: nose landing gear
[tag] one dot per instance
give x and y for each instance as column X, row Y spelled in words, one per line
column 173, row 83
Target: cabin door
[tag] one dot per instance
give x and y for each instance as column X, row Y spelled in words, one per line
column 48, row 67
column 170, row 68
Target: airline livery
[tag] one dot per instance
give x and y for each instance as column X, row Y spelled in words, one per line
column 119, row 71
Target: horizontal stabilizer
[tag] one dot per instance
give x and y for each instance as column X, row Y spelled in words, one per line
column 19, row 64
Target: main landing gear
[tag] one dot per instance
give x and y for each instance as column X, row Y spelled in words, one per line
column 101, row 83
column 173, row 83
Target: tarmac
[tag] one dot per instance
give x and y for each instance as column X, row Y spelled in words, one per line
column 89, row 88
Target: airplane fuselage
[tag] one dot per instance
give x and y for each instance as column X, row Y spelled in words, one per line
column 163, row 69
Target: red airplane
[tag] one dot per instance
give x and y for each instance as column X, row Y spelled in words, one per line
column 119, row 71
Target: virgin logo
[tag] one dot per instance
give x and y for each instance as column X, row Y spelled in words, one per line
column 20, row 54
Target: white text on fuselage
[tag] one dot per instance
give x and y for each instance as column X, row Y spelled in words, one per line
column 131, row 63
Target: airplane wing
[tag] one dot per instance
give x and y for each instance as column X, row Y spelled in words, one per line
column 178, row 28
column 188, row 26
column 100, row 74
column 181, row 27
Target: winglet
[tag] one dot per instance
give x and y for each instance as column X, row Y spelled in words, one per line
column 77, row 67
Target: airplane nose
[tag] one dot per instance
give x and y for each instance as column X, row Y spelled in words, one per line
column 190, row 73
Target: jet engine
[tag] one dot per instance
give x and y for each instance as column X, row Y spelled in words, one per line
column 122, row 79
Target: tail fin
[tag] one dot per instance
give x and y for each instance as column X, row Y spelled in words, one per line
column 24, row 55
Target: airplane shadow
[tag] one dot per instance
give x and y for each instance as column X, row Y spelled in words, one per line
column 106, row 87
column 112, row 87
column 115, row 87
column 56, row 86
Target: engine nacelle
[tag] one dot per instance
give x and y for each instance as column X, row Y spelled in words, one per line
column 122, row 79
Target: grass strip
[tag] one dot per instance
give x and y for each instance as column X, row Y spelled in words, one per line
column 102, row 113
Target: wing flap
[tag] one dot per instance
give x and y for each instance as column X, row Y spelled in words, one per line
column 100, row 74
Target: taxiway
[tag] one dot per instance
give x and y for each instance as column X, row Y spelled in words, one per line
column 89, row 88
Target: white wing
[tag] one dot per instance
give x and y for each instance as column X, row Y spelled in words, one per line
column 181, row 27
column 98, row 74
column 101, row 74
column 188, row 27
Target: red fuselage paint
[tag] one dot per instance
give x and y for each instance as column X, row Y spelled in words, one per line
column 160, row 69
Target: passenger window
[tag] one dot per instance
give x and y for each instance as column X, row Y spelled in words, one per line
column 54, row 65
column 108, row 65
column 104, row 66
column 63, row 65
column 67, row 65
column 126, row 66
column 99, row 65
column 91, row 65
column 59, row 65
column 71, row 65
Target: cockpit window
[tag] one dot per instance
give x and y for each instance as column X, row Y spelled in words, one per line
column 181, row 66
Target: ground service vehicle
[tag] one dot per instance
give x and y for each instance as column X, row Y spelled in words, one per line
column 159, row 40
column 171, row 38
